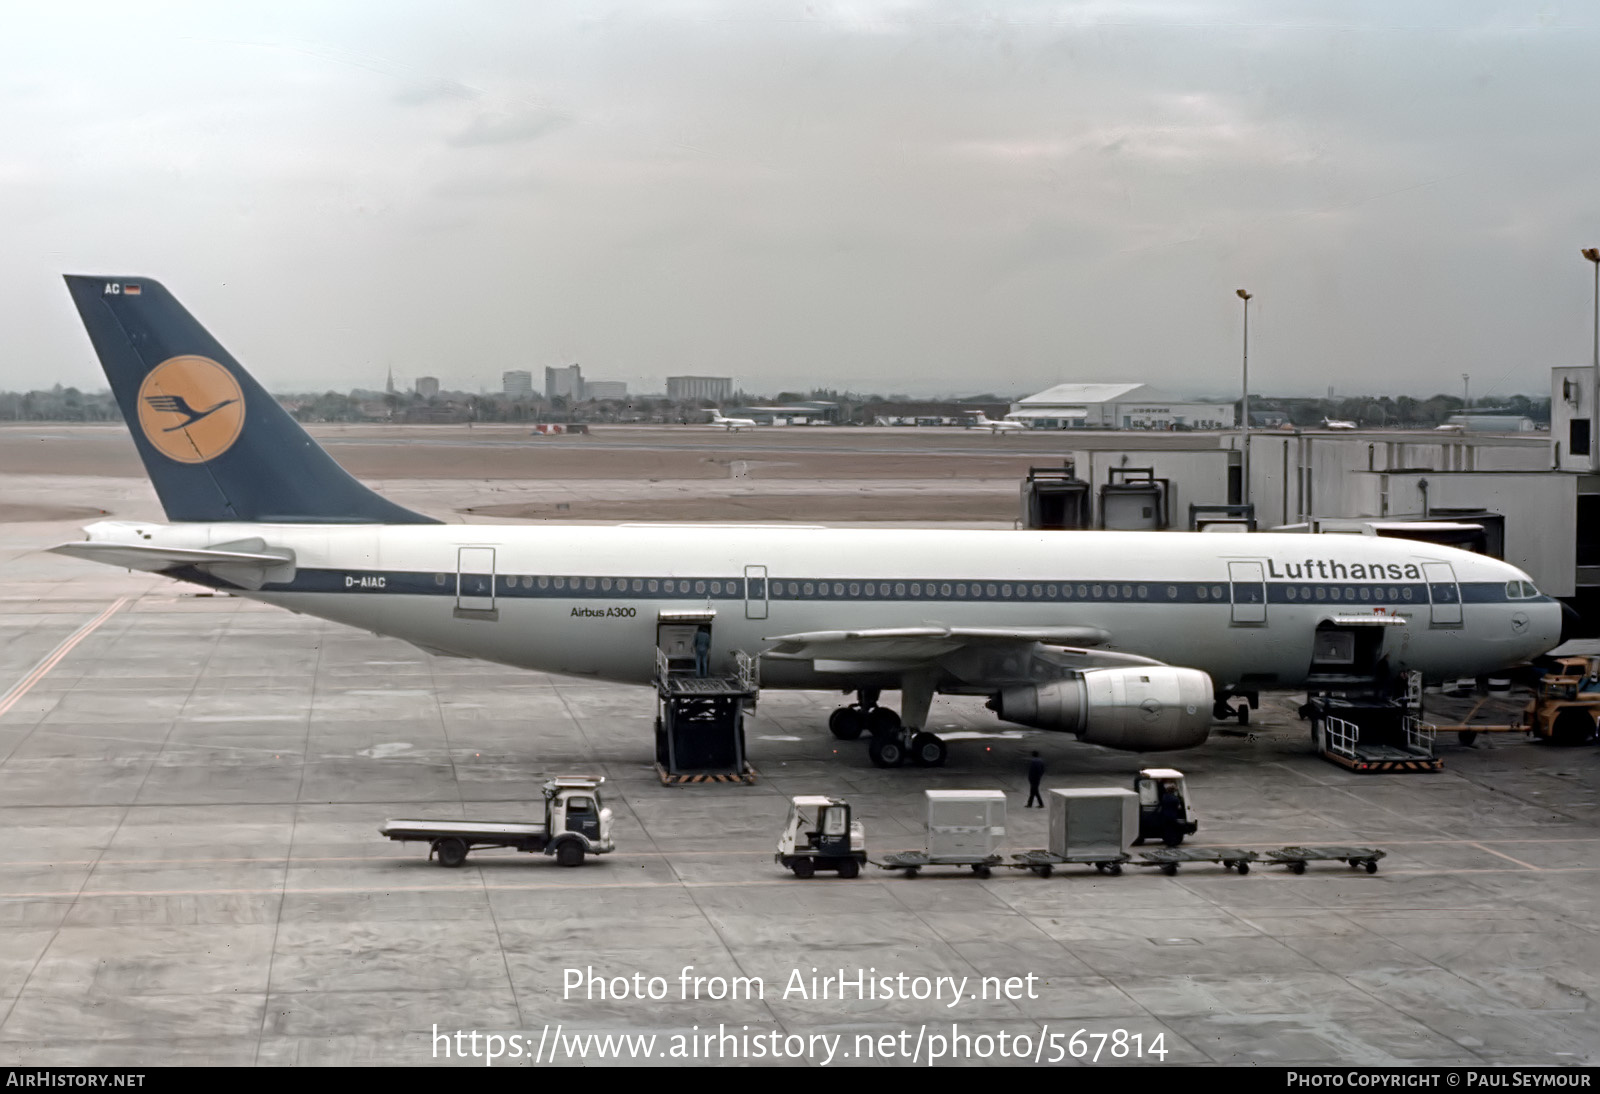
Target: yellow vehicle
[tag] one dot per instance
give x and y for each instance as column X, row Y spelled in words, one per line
column 1565, row 708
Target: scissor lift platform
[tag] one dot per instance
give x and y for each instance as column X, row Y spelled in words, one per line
column 1374, row 735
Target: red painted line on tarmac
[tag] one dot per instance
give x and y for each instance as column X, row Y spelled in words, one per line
column 42, row 669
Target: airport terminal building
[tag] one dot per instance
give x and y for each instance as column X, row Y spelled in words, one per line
column 1117, row 406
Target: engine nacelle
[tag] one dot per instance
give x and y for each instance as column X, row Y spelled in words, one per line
column 1135, row 709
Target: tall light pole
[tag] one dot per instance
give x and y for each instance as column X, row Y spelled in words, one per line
column 1244, row 405
column 1593, row 255
column 1466, row 391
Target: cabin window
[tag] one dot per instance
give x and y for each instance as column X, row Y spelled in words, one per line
column 961, row 590
column 1405, row 594
column 944, row 590
column 438, row 579
column 1050, row 591
column 588, row 583
column 1172, row 592
column 1291, row 592
column 700, row 586
column 1203, row 593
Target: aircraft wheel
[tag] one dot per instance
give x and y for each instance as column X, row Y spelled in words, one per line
column 803, row 867
column 927, row 750
column 1372, row 866
column 570, row 853
column 1244, row 714
column 1170, row 869
column 1173, row 839
column 1297, row 867
column 845, row 723
column 882, row 720
column 886, row 752
column 849, row 868
column 1115, row 868
column 452, row 852
column 1244, row 867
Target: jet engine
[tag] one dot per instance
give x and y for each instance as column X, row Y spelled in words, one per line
column 1144, row 709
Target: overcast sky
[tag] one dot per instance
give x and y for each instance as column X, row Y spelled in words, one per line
column 921, row 197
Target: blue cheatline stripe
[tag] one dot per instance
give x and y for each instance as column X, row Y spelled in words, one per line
column 1344, row 594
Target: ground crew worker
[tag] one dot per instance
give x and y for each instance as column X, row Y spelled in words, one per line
column 1035, row 773
column 702, row 652
column 1169, row 810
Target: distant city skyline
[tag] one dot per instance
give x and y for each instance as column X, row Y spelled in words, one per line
column 911, row 196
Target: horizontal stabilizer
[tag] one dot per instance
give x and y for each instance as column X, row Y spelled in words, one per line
column 249, row 568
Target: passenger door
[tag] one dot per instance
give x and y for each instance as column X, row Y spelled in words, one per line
column 1443, row 593
column 755, row 592
column 475, row 581
column 1248, row 581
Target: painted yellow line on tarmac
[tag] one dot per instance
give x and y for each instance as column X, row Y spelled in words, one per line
column 42, row 669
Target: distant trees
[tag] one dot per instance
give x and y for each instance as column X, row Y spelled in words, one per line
column 59, row 404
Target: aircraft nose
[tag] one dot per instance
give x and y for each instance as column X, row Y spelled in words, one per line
column 1571, row 624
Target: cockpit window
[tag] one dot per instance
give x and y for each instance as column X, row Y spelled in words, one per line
column 1520, row 590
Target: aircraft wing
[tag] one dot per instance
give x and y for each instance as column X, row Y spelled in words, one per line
column 921, row 643
column 248, row 564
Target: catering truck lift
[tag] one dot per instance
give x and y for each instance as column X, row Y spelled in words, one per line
column 575, row 824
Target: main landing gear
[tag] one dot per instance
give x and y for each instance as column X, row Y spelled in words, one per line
column 893, row 743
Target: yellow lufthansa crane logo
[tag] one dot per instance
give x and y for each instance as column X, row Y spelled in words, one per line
column 191, row 409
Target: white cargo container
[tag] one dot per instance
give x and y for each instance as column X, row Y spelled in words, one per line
column 965, row 824
column 1092, row 823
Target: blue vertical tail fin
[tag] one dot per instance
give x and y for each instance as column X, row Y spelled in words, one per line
column 215, row 444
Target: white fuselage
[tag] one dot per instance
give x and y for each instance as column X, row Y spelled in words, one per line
column 585, row 600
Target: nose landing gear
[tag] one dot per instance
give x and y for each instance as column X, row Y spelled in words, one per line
column 1248, row 701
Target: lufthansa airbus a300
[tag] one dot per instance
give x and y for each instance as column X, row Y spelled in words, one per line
column 1132, row 640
